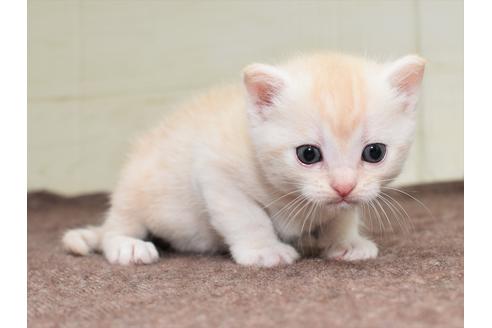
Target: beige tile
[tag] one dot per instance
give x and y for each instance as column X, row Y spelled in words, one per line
column 168, row 46
column 441, row 32
column 382, row 29
column 412, row 169
column 443, row 125
column 79, row 146
column 54, row 168
column 52, row 123
column 53, row 49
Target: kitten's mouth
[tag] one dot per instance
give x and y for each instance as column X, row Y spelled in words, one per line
column 343, row 202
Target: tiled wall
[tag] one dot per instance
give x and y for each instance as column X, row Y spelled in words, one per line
column 100, row 72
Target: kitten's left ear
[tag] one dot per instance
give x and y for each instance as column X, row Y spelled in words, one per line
column 265, row 85
column 405, row 77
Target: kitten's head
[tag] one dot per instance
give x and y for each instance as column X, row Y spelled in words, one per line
column 336, row 128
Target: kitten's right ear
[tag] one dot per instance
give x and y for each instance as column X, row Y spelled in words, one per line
column 264, row 85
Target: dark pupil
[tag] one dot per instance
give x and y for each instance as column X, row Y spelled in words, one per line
column 309, row 154
column 375, row 152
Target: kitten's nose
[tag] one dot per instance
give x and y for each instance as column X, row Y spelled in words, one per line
column 343, row 189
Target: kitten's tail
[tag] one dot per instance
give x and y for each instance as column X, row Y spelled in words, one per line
column 82, row 241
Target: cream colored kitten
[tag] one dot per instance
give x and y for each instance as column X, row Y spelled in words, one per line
column 257, row 170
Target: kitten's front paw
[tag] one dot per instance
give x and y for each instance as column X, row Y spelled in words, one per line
column 125, row 250
column 359, row 249
column 268, row 256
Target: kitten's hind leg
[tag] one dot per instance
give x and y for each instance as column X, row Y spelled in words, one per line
column 82, row 241
column 123, row 243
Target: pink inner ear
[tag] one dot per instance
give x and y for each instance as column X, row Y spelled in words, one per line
column 263, row 85
column 265, row 93
column 406, row 75
column 408, row 79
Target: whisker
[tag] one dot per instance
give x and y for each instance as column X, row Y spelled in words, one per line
column 365, row 218
column 396, row 214
column 308, row 218
column 385, row 214
column 302, row 228
column 378, row 217
column 321, row 224
column 412, row 197
column 290, row 217
column 287, row 206
column 366, row 207
column 276, row 200
column 311, row 223
column 402, row 209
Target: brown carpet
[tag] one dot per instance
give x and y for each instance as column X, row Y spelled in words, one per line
column 417, row 281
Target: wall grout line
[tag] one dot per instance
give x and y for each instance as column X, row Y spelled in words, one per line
column 421, row 147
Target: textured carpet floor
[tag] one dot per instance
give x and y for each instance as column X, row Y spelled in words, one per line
column 417, row 281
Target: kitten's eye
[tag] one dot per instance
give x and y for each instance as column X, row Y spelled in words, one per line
column 374, row 153
column 309, row 154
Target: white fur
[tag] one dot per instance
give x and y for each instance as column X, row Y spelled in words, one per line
column 222, row 173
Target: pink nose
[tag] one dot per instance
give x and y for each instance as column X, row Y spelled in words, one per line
column 343, row 189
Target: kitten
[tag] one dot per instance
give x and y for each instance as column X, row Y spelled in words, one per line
column 258, row 169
